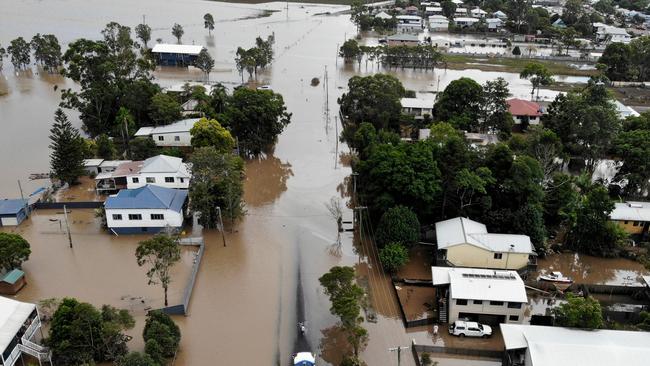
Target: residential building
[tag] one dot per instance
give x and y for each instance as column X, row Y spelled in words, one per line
column 524, row 113
column 466, row 243
column 175, row 54
column 625, row 111
column 92, row 166
column 176, row 134
column 417, row 107
column 440, row 42
column 461, row 12
column 409, row 24
column 494, row 24
column 465, row 22
column 403, row 40
column 438, row 23
column 147, row 209
column 633, row 217
column 19, row 325
column 501, row 15
column 481, row 139
column 557, row 346
column 482, row 295
column 478, row 13
column 432, row 10
column 108, row 166
column 161, row 170
column 383, row 15
column 559, row 23
column 13, row 212
column 412, row 10
column 457, row 2
column 610, row 34
column 12, row 281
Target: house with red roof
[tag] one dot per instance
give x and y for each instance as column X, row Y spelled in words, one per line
column 524, row 113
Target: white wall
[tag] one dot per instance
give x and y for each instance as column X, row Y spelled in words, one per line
column 172, row 218
column 486, row 308
column 168, row 139
column 159, row 180
column 531, row 120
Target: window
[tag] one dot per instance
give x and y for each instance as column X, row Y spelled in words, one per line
column 626, row 222
column 135, row 180
column 157, row 217
column 636, row 223
column 182, row 180
column 151, row 180
column 461, row 302
column 513, row 318
column 514, row 305
column 498, row 255
column 177, row 138
column 161, row 138
column 117, row 217
column 496, row 303
column 169, row 179
column 135, row 217
column 478, row 302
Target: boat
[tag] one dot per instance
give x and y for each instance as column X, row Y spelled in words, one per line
column 304, row 359
column 557, row 279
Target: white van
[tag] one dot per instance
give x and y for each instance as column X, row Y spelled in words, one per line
column 470, row 329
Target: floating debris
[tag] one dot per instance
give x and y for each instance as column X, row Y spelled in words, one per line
column 315, row 82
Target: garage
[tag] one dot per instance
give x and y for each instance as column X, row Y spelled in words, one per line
column 13, row 212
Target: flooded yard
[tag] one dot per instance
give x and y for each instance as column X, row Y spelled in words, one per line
column 594, row 270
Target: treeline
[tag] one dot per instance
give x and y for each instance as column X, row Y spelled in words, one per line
column 420, row 56
column 46, row 48
column 627, row 62
column 256, row 57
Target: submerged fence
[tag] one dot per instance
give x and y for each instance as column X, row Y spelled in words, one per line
column 182, row 308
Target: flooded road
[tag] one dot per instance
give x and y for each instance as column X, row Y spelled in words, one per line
column 246, row 303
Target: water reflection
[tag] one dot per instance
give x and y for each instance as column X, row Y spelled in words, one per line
column 334, row 345
column 594, row 270
column 266, row 180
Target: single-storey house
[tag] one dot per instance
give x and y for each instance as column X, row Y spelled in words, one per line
column 175, row 54
column 175, row 134
column 412, row 10
column 478, row 13
column 13, row 212
column 440, row 42
column 611, row 34
column 417, row 107
column 633, row 217
column 501, row 15
column 624, row 111
column 147, row 209
column 524, row 113
column 108, row 166
column 460, row 12
column 403, row 40
column 494, row 24
column 92, row 166
column 465, row 22
column 558, row 346
column 466, row 243
column 19, row 322
column 559, row 23
column 482, row 295
column 161, row 170
column 438, row 23
column 12, row 281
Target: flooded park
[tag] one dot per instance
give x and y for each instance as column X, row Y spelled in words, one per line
column 246, row 299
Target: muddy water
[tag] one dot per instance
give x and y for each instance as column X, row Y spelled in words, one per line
column 587, row 269
column 245, row 304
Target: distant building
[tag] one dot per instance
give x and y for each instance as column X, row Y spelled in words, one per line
column 403, row 40
column 412, row 10
column 610, row 34
column 633, row 217
column 625, row 111
column 559, row 23
column 558, row 346
column 161, row 170
column 460, row 12
column 13, row 212
column 12, row 281
column 92, row 166
column 176, row 134
column 501, row 15
column 438, row 23
column 465, row 22
column 481, row 295
column 524, row 113
column 417, row 107
column 432, row 10
column 494, row 24
column 467, row 243
column 175, row 54
column 19, row 323
column 383, row 15
column 481, row 139
column 148, row 209
column 409, row 24
column 478, row 13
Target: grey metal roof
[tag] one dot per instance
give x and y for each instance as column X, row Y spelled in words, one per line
column 12, row 207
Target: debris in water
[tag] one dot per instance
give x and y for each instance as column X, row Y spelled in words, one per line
column 315, row 81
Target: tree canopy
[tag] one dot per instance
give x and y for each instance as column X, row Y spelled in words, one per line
column 398, row 225
column 579, row 312
column 14, row 250
column 209, row 132
column 159, row 253
column 67, row 156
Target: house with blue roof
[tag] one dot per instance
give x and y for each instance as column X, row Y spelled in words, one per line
column 147, row 209
column 13, row 212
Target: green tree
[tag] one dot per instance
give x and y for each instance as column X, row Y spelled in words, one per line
column 517, row 11
column 349, row 50
column 393, row 256
column 164, row 109
column 538, row 75
column 256, row 118
column 205, row 63
column 216, row 182
column 47, row 51
column 143, row 32
column 398, row 225
column 633, row 149
column 460, row 104
column 208, row 132
column 14, row 250
column 516, row 51
column 495, row 115
column 640, row 57
column 19, row 51
column 136, row 359
column 160, row 328
column 66, row 159
column 604, row 6
column 579, row 312
column 545, row 146
column 159, row 253
column 448, row 8
column 3, row 53
column 177, row 31
column 105, row 147
column 346, row 298
column 143, row 148
column 561, row 200
column 568, row 39
column 208, row 23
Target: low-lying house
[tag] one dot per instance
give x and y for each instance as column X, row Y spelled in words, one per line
column 383, row 15
column 176, row 134
column 482, row 295
column 478, row 13
column 633, row 217
column 19, row 323
column 13, row 212
column 465, row 22
column 403, row 40
column 557, row 346
column 460, row 12
column 524, row 113
column 433, row 10
column 501, row 15
column 175, row 54
column 417, row 107
column 12, row 281
column 613, row 35
column 149, row 209
column 161, row 170
column 494, row 24
column 438, row 23
column 466, row 243
column 409, row 24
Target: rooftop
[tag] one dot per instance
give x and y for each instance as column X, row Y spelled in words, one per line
column 148, row 197
column 461, row 230
column 165, row 164
column 184, row 125
column 189, row 49
column 12, row 207
column 520, row 107
column 93, row 162
column 416, row 103
column 631, row 211
column 403, row 37
column 559, row 346
column 13, row 315
column 468, row 20
column 383, row 15
column 12, row 276
column 481, row 284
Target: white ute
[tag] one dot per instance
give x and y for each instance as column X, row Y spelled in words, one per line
column 470, row 329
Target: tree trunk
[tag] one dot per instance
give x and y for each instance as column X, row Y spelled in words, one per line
column 165, row 288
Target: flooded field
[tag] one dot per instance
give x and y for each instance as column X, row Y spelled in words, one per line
column 593, row 270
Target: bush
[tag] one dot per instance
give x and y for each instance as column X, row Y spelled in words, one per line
column 516, row 51
column 398, row 225
column 579, row 312
column 393, row 256
column 161, row 329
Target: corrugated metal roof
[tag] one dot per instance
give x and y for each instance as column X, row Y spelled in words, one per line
column 416, row 103
column 92, row 162
column 13, row 276
column 148, row 197
column 631, row 211
column 13, row 315
column 165, row 164
column 12, row 207
column 481, row 284
column 520, row 107
column 188, row 49
column 461, row 230
column 184, row 125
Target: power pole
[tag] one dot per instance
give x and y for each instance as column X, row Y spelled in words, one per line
column 67, row 226
column 336, row 126
column 399, row 353
column 354, row 197
column 223, row 236
column 20, row 187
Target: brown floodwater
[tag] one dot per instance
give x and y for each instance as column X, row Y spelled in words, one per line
column 246, row 303
column 594, row 270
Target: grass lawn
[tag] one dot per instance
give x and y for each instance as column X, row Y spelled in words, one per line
column 511, row 65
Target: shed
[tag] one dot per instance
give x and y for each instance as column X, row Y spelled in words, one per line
column 92, row 166
column 176, row 54
column 12, row 282
column 13, row 212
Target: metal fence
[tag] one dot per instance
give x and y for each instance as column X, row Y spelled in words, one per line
column 182, row 308
column 59, row 205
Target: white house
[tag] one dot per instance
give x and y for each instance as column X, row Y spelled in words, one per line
column 438, row 23
column 494, row 24
column 383, row 15
column 400, row 39
column 465, row 22
column 501, row 15
column 482, row 295
column 147, row 209
column 625, row 111
column 175, row 134
column 466, row 243
column 524, row 112
column 440, row 42
column 557, row 346
column 19, row 322
column 409, row 24
column 610, row 34
column 433, row 10
column 478, row 13
column 460, row 12
column 417, row 107
column 161, row 170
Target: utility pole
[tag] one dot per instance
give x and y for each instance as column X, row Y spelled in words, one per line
column 399, row 353
column 20, row 187
column 336, row 125
column 67, row 226
column 223, row 236
column 354, row 197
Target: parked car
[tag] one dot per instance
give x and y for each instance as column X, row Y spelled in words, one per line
column 470, row 329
